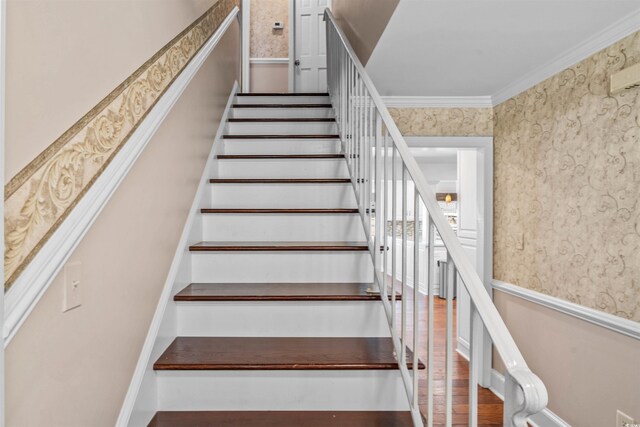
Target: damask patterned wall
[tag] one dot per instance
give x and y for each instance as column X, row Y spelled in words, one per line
column 265, row 42
column 567, row 185
column 443, row 121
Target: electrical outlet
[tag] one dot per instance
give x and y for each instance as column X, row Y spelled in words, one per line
column 72, row 286
column 624, row 420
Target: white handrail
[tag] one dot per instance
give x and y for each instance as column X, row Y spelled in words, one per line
column 527, row 394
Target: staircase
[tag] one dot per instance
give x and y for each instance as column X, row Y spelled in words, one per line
column 281, row 326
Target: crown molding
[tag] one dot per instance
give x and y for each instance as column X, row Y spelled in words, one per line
column 437, row 101
column 610, row 35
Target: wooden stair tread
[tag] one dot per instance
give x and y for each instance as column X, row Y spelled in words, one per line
column 279, row 180
column 277, row 353
column 282, row 106
column 279, row 156
column 282, row 419
column 284, row 136
column 279, row 211
column 278, row 246
column 278, row 292
column 282, row 120
column 283, row 94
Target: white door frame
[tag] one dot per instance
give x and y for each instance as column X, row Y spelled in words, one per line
column 292, row 43
column 484, row 145
column 3, row 13
column 245, row 28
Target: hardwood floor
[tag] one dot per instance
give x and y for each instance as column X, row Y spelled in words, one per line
column 489, row 407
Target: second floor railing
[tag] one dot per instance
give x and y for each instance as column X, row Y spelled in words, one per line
column 379, row 162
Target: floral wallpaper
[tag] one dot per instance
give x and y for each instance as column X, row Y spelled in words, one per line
column 443, row 121
column 265, row 41
column 40, row 196
column 567, row 186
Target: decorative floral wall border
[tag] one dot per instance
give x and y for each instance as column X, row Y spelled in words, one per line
column 40, row 196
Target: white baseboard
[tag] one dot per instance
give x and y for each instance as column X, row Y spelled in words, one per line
column 38, row 275
column 463, row 348
column 614, row 323
column 545, row 418
column 145, row 361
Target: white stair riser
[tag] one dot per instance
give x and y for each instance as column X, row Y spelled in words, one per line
column 281, row 267
column 281, row 128
column 282, row 113
column 312, row 99
column 282, row 146
column 374, row 390
column 282, row 168
column 282, row 227
column 282, row 196
column 282, row 319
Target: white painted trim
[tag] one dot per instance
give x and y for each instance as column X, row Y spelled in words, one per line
column 246, row 44
column 545, row 418
column 292, row 44
column 437, row 101
column 147, row 349
column 3, row 13
column 463, row 348
column 269, row 60
column 609, row 321
column 40, row 272
column 615, row 32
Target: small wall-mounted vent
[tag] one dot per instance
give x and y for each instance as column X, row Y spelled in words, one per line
column 625, row 79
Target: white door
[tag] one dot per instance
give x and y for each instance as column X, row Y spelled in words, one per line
column 310, row 73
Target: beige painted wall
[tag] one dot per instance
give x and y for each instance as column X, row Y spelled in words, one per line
column 73, row 369
column 269, row 77
column 63, row 57
column 589, row 371
column 567, row 183
column 363, row 22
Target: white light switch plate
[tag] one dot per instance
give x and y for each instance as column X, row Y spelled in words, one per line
column 72, row 286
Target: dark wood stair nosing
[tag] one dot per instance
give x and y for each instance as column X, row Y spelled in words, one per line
column 282, row 106
column 282, row 120
column 279, row 180
column 280, row 353
column 278, row 156
column 285, row 136
column 195, row 292
column 327, row 211
column 281, row 418
column 282, row 94
column 279, row 247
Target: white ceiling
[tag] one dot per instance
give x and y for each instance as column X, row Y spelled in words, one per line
column 435, row 154
column 479, row 47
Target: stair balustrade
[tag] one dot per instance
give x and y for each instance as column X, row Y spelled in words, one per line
column 379, row 158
